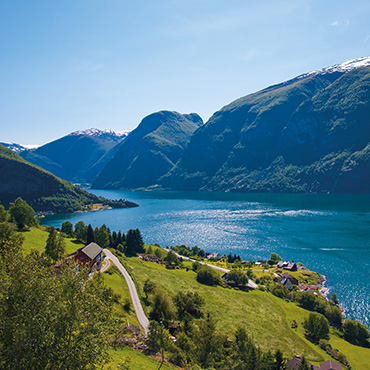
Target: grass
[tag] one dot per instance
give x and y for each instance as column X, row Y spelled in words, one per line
column 117, row 282
column 135, row 360
column 261, row 313
column 35, row 238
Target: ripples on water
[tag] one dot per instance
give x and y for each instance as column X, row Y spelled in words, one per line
column 328, row 234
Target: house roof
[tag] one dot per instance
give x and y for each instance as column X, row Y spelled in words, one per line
column 92, row 250
column 294, row 363
column 330, row 365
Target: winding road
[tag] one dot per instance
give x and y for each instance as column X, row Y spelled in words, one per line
column 251, row 283
column 143, row 320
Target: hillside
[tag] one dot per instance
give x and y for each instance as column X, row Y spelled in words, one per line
column 77, row 157
column 149, row 152
column 309, row 134
column 42, row 190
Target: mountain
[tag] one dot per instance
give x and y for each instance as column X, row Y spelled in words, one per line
column 42, row 190
column 149, row 152
column 309, row 134
column 17, row 148
column 77, row 157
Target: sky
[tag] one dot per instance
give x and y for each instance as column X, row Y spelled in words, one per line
column 77, row 64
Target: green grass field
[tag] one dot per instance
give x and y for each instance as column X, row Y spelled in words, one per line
column 35, row 238
column 265, row 316
column 135, row 360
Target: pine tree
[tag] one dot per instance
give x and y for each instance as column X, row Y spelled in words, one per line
column 90, row 235
column 55, row 245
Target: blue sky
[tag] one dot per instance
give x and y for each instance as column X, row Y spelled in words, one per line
column 72, row 64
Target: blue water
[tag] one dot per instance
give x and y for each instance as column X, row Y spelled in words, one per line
column 328, row 233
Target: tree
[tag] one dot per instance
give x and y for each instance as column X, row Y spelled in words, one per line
column 67, row 228
column 274, row 259
column 162, row 307
column 279, row 360
column 317, row 326
column 237, row 276
column 3, row 214
column 171, row 259
column 149, row 287
column 356, row 333
column 10, row 241
column 334, row 315
column 22, row 214
column 48, row 321
column 208, row 342
column 55, row 245
column 80, row 230
column 207, row 275
column 90, row 235
column 102, row 236
column 134, row 242
column 334, row 299
column 150, row 250
column 189, row 303
column 303, row 365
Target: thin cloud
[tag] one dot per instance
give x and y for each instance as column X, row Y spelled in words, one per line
column 335, row 23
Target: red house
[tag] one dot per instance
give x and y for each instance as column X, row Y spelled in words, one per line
column 91, row 255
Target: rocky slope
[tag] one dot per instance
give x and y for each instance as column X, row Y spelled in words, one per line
column 309, row 134
column 77, row 157
column 149, row 152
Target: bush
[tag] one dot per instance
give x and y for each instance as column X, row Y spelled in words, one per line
column 207, row 275
column 317, row 327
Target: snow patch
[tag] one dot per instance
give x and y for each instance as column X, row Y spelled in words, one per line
column 96, row 132
column 341, row 67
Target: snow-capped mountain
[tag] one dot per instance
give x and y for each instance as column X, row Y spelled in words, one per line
column 17, row 148
column 97, row 133
column 341, row 67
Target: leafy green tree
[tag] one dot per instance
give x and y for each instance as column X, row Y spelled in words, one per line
column 102, row 236
column 317, row 326
column 4, row 216
column 162, row 307
column 48, row 321
column 67, row 228
column 274, row 259
column 208, row 343
column 22, row 213
column 90, row 235
column 239, row 277
column 150, row 250
column 207, row 275
column 158, row 338
column 172, row 260
column 188, row 303
column 334, row 315
column 356, row 333
column 334, row 299
column 55, row 245
column 149, row 287
column 80, row 230
column 10, row 241
column 134, row 242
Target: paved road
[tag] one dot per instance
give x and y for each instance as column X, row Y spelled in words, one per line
column 143, row 320
column 251, row 283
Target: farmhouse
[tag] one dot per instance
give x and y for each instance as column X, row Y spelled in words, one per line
column 149, row 257
column 286, row 265
column 91, row 255
column 292, row 279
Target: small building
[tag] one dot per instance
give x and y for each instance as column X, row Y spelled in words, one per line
column 292, row 279
column 215, row 256
column 286, row 282
column 294, row 363
column 91, row 255
column 330, row 365
column 286, row 265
